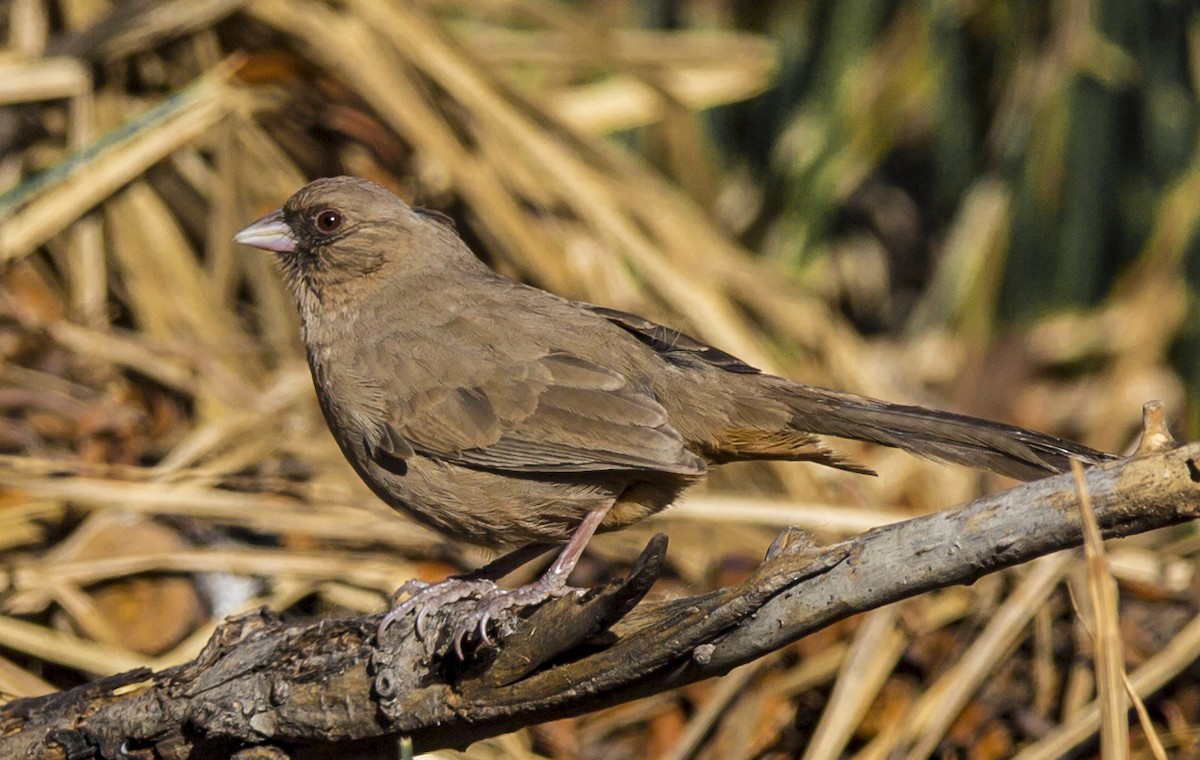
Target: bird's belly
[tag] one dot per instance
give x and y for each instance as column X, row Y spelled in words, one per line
column 498, row 510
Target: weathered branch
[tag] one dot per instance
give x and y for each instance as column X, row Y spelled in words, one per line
column 305, row 688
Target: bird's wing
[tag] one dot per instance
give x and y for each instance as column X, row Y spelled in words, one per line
column 553, row 413
column 672, row 345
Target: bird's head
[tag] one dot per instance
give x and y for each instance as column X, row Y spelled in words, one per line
column 338, row 237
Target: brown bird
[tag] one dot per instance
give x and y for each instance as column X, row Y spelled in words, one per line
column 500, row 414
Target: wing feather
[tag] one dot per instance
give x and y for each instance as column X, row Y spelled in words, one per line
column 556, row 413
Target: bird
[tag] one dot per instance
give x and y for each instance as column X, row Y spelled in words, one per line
column 500, row 414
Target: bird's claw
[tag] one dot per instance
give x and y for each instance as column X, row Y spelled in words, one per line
column 427, row 599
column 491, row 603
column 495, row 603
column 410, row 587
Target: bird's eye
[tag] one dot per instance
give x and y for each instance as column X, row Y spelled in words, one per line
column 328, row 220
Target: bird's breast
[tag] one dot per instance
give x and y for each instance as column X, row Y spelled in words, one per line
column 354, row 407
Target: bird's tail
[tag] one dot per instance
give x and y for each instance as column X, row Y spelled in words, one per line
column 1004, row 449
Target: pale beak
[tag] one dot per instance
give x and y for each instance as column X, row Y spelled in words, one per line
column 270, row 233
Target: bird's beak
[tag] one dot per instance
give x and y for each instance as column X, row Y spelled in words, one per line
column 270, row 233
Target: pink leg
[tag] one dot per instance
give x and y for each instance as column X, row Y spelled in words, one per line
column 493, row 600
column 570, row 554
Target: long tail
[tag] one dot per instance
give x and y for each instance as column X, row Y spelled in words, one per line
column 957, row 438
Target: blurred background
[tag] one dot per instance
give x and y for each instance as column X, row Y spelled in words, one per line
column 983, row 206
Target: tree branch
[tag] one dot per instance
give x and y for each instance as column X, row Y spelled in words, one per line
column 307, row 688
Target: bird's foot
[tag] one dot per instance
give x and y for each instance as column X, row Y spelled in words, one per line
column 491, row 603
column 429, row 598
column 495, row 603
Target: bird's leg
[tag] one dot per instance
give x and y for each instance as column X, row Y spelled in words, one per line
column 553, row 583
column 430, row 597
column 427, row 599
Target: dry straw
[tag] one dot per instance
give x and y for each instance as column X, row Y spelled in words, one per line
column 153, row 374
